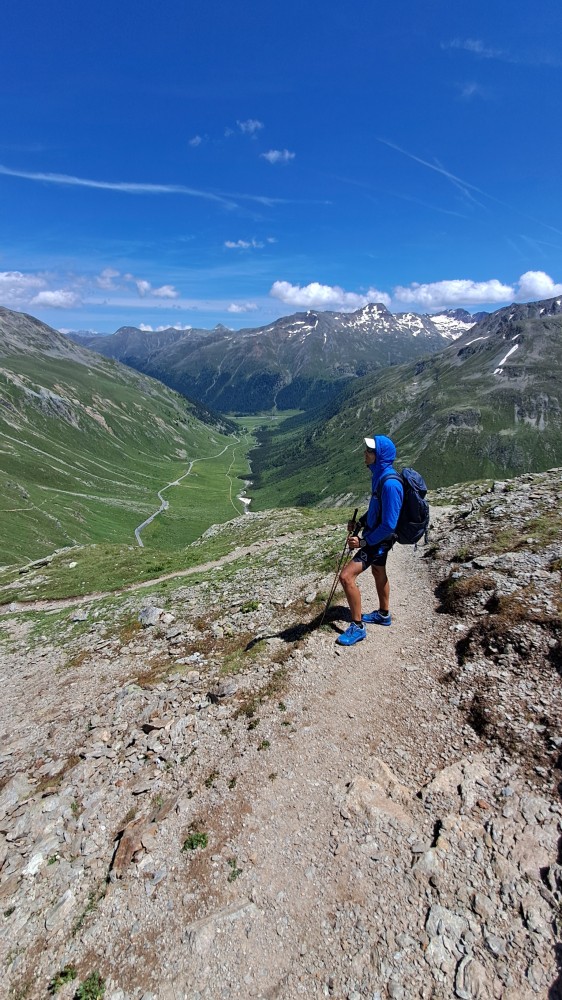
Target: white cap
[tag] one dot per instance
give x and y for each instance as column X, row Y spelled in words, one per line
column 370, row 444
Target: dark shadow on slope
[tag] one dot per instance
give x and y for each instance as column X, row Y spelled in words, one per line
column 300, row 630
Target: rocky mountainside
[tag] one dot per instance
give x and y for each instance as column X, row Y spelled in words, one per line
column 490, row 404
column 297, row 362
column 136, row 347
column 202, row 796
column 86, row 442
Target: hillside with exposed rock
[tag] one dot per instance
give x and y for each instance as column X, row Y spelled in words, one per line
column 489, row 405
column 202, row 795
column 297, row 362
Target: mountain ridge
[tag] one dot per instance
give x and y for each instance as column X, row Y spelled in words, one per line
column 298, row 361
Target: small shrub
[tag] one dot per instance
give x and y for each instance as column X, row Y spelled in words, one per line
column 235, row 871
column 65, row 975
column 195, row 841
column 462, row 555
column 210, row 780
column 92, row 988
column 264, row 745
column 454, row 591
column 249, row 606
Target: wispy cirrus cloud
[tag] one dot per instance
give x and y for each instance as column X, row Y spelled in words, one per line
column 126, row 187
column 465, row 186
column 278, row 156
column 223, row 198
column 478, row 48
column 472, row 89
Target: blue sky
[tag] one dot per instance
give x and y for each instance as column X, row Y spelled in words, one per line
column 187, row 164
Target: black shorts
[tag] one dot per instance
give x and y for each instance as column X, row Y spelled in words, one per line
column 373, row 555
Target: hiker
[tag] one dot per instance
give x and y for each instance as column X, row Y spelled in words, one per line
column 377, row 526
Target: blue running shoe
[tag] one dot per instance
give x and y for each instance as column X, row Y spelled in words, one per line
column 375, row 618
column 352, row 635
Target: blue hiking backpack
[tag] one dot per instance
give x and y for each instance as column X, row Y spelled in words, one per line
column 413, row 522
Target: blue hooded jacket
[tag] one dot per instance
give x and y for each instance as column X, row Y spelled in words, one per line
column 380, row 521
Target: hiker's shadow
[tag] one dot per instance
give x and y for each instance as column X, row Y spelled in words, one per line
column 300, row 630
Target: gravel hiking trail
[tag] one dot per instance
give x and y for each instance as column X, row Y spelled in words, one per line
column 360, row 710
column 361, row 840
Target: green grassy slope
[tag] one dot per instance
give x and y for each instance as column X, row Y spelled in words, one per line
column 454, row 416
column 86, row 443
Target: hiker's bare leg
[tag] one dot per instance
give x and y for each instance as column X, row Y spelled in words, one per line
column 348, row 580
column 383, row 586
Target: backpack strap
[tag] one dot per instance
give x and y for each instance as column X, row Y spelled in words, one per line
column 392, row 474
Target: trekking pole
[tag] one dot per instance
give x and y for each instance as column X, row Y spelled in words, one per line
column 342, row 557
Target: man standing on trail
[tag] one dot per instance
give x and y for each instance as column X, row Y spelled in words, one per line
column 378, row 526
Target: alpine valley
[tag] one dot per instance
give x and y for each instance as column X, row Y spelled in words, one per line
column 298, row 362
column 88, row 442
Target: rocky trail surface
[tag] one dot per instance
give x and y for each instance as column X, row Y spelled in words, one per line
column 204, row 797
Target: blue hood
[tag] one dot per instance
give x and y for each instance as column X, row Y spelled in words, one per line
column 380, row 520
column 386, row 453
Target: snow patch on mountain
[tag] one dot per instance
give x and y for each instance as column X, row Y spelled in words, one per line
column 451, row 327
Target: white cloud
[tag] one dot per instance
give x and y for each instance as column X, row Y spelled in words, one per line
column 59, row 298
column 15, row 287
column 457, row 292
column 537, row 285
column 105, row 279
column 176, row 326
column 196, row 140
column 144, row 287
column 165, row 292
column 241, row 307
column 243, row 244
column 278, row 156
column 317, row 296
column 146, row 328
column 250, row 126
